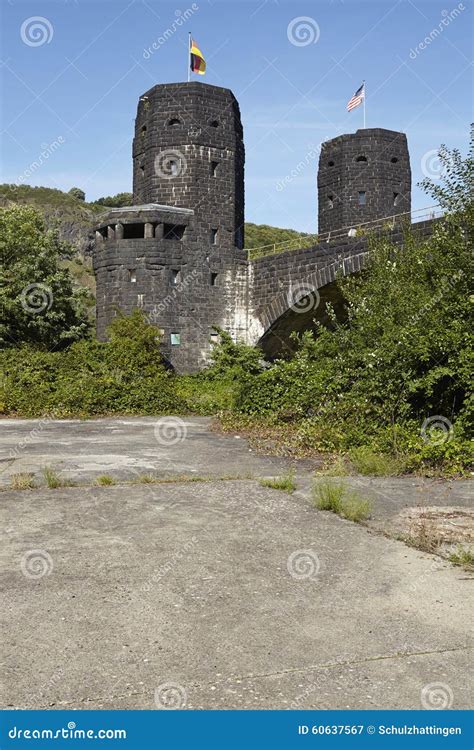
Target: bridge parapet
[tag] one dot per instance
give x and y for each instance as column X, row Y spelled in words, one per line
column 279, row 282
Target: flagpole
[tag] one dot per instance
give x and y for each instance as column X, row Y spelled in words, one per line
column 364, row 105
column 189, row 57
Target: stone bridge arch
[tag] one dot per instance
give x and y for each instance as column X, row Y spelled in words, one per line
column 293, row 290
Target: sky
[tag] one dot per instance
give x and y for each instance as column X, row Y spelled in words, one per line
column 72, row 71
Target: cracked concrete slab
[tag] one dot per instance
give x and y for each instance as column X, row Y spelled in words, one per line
column 219, row 595
column 84, row 449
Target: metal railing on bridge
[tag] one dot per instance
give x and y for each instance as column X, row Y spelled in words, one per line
column 355, row 231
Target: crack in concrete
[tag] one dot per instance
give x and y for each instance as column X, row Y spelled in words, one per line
column 279, row 673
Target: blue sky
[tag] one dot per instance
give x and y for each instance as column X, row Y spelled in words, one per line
column 76, row 78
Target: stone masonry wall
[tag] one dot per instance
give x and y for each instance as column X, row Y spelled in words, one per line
column 375, row 161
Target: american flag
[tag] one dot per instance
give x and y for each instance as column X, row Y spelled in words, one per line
column 357, row 99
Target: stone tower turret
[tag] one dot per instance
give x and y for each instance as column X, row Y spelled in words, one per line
column 363, row 177
column 188, row 151
column 178, row 251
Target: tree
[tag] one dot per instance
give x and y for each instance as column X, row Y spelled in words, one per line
column 39, row 303
column 455, row 191
column 402, row 360
column 116, row 201
column 77, row 193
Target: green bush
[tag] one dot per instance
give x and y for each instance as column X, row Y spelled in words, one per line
column 124, row 376
column 403, row 356
column 40, row 304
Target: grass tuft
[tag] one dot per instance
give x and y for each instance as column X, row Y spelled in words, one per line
column 369, row 463
column 336, row 468
column 53, row 480
column 337, row 498
column 463, row 557
column 286, row 482
column 22, row 481
column 146, row 479
column 424, row 537
column 105, row 480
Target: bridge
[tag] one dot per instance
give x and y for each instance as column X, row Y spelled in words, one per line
column 178, row 252
column 289, row 290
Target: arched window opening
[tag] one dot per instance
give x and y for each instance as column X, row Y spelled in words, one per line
column 175, row 277
column 362, row 159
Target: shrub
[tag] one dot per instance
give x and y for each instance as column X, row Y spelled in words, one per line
column 124, row 376
column 233, row 360
column 403, row 354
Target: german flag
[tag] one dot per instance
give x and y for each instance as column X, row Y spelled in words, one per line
column 197, row 61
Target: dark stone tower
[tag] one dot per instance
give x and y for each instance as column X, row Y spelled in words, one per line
column 363, row 177
column 178, row 253
column 188, row 151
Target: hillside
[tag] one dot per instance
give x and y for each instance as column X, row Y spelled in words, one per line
column 261, row 239
column 74, row 219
